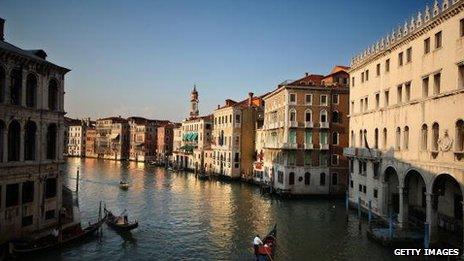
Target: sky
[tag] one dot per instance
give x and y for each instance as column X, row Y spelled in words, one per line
column 142, row 58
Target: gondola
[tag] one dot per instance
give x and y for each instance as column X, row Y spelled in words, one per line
column 266, row 251
column 123, row 185
column 118, row 222
column 49, row 242
column 203, row 176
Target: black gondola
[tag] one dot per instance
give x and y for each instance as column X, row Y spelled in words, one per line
column 267, row 250
column 120, row 223
column 69, row 235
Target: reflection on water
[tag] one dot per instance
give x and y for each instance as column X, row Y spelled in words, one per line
column 181, row 217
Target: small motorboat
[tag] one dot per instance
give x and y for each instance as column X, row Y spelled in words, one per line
column 124, row 184
column 70, row 235
column 120, row 223
column 266, row 251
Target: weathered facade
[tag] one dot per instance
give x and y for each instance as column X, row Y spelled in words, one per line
column 112, row 141
column 31, row 140
column 233, row 138
column 143, row 138
column 76, row 131
column 165, row 137
column 90, row 145
column 305, row 130
column 407, row 122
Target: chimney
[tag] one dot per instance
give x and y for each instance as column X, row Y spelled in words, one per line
column 219, row 106
column 2, row 25
column 250, row 98
column 306, row 74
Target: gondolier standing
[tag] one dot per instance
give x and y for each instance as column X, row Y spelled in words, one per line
column 256, row 243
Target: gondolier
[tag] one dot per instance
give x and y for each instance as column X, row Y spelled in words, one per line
column 256, row 243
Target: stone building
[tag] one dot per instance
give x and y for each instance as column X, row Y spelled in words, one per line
column 407, row 122
column 305, row 129
column 76, row 130
column 31, row 141
column 112, row 140
column 196, row 137
column 90, row 145
column 143, row 139
column 165, row 135
column 233, row 138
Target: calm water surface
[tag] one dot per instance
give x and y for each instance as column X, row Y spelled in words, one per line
column 182, row 218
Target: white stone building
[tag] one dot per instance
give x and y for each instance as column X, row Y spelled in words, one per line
column 406, row 123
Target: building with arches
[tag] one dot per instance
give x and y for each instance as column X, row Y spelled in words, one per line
column 406, row 123
column 31, row 141
column 305, row 130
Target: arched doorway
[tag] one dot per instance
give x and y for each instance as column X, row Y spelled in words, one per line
column 415, row 196
column 447, row 208
column 392, row 192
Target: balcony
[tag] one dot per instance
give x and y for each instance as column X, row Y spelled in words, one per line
column 349, row 152
column 362, row 153
column 324, row 125
column 308, row 146
column 289, row 145
column 309, row 124
column 271, row 145
column 293, row 124
column 324, row 146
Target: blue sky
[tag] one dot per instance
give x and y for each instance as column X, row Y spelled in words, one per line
column 143, row 57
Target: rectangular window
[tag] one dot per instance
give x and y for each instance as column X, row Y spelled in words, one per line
column 407, row 92
column 309, row 99
column 376, row 193
column 366, row 104
column 361, row 105
column 367, row 75
column 377, row 101
column 335, row 98
column 409, row 55
column 461, row 76
column 237, row 118
column 352, row 81
column 280, row 177
column 324, row 137
column 12, row 195
column 360, row 188
column 376, row 169
column 309, row 137
column 323, row 158
column 364, row 189
column 461, row 27
column 291, row 158
column 387, row 65
column 400, row 59
column 362, row 77
column 436, row 83
column 335, row 159
column 334, row 179
column 50, row 188
column 27, row 192
column 427, row 46
column 387, row 98
column 438, row 40
column 307, row 158
column 292, row 97
column 292, row 137
column 352, row 106
column 323, row 100
column 351, row 183
column 399, row 94
column 425, row 87
column 378, row 69
column 50, row 214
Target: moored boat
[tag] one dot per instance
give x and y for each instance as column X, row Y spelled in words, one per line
column 267, row 250
column 120, row 223
column 74, row 234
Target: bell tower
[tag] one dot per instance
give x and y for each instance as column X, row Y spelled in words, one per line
column 194, row 103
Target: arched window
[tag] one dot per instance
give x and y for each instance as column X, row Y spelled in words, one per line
column 335, row 138
column 322, row 179
column 53, row 95
column 2, row 84
column 308, row 116
column 16, row 80
column 2, row 138
column 323, row 116
column 29, row 140
column 384, row 145
column 291, row 178
column 398, row 138
column 361, row 140
column 51, row 141
column 376, row 138
column 365, row 138
column 14, row 140
column 406, row 138
column 424, row 134
column 335, row 116
column 31, row 91
column 435, row 136
column 352, row 139
column 307, row 178
column 460, row 136
column 292, row 115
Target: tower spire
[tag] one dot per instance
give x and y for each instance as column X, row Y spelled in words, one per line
column 194, row 102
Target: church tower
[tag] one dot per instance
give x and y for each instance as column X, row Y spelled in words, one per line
column 194, row 103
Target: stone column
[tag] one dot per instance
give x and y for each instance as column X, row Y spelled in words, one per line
column 401, row 211
column 22, row 141
column 430, row 213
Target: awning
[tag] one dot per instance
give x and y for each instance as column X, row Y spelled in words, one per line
column 194, row 136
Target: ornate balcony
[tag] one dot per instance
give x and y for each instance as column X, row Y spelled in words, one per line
column 308, row 146
column 289, row 145
column 324, row 146
column 324, row 125
column 293, row 124
column 309, row 124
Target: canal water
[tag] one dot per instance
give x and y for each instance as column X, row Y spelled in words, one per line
column 182, row 218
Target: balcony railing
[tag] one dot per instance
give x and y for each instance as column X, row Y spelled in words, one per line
column 362, row 153
column 309, row 124
column 324, row 125
column 308, row 146
column 289, row 145
column 324, row 146
column 293, row 124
